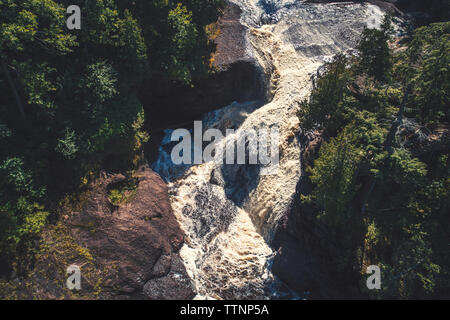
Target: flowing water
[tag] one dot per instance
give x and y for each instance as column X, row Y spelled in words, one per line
column 229, row 213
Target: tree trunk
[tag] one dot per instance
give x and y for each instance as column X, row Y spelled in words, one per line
column 398, row 121
column 387, row 145
column 13, row 88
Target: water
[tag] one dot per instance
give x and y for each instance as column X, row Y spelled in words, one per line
column 229, row 213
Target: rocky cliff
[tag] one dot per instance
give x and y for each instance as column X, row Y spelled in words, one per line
column 235, row 76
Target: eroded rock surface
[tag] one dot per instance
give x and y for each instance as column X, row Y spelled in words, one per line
column 140, row 239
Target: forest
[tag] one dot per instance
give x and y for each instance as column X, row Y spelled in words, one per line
column 69, row 98
column 71, row 105
column 381, row 179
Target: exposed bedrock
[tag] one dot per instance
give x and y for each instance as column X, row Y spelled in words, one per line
column 141, row 239
column 303, row 244
column 236, row 78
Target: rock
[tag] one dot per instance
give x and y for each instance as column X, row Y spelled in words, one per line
column 311, row 151
column 301, row 243
column 235, row 77
column 231, row 42
column 140, row 238
column 294, row 266
column 216, row 178
column 175, row 285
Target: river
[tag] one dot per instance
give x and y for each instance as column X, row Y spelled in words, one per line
column 229, row 213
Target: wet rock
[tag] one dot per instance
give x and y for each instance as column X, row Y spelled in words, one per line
column 231, row 42
column 210, row 214
column 294, row 266
column 175, row 285
column 216, row 178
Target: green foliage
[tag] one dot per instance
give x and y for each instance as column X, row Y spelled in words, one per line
column 69, row 98
column 403, row 169
column 21, row 217
column 122, row 192
column 334, row 174
column 387, row 206
column 58, row 250
column 35, row 80
column 67, row 144
column 325, row 109
column 175, row 37
column 17, row 180
column 182, row 41
column 429, row 72
column 376, row 59
column 33, row 25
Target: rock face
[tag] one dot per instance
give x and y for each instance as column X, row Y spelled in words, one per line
column 230, row 43
column 421, row 12
column 301, row 242
column 236, row 78
column 140, row 238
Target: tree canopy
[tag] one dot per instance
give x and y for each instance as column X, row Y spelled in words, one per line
column 381, row 178
column 69, row 98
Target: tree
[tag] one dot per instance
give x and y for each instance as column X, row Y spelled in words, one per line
column 430, row 75
column 327, row 108
column 387, row 205
column 69, row 98
column 375, row 54
column 334, row 175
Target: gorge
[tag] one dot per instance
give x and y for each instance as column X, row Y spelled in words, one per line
column 231, row 213
column 225, row 150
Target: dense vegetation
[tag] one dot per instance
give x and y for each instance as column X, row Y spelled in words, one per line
column 69, row 98
column 69, row 103
column 382, row 179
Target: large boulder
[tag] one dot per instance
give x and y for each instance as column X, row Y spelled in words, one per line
column 125, row 244
column 141, row 238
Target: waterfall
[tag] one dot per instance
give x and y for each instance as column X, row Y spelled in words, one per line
column 229, row 212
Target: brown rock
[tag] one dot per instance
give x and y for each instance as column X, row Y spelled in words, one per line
column 230, row 43
column 140, row 239
column 235, row 76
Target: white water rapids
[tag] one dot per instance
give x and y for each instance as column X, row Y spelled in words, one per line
column 230, row 212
